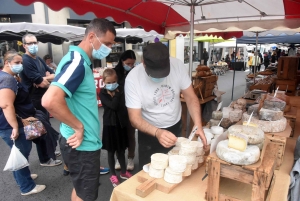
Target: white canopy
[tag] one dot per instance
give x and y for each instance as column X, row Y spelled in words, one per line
column 140, row 33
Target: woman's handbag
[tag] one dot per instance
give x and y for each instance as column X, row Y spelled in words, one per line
column 33, row 128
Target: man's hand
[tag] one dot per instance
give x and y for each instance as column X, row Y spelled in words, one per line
column 166, row 138
column 201, row 134
column 76, row 139
column 14, row 133
column 44, row 83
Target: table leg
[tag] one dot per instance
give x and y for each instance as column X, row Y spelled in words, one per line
column 213, row 180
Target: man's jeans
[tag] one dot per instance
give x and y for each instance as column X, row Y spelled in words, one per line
column 21, row 176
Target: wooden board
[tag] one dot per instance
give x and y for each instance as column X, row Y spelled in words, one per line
column 281, row 142
column 149, row 184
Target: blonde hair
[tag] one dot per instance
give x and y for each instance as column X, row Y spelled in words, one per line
column 109, row 72
column 10, row 55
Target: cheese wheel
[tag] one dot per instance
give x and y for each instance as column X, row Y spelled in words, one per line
column 268, row 126
column 238, row 141
column 247, row 157
column 226, row 111
column 226, row 123
column 213, row 122
column 172, row 177
column 217, row 130
column 274, row 104
column 235, row 115
column 188, row 148
column 156, row 173
column 242, row 102
column 217, row 115
column 174, row 151
column 159, row 161
column 239, row 107
column 179, row 140
column 187, row 171
column 270, row 115
column 255, row 135
column 195, row 165
column 190, row 159
column 254, row 109
column 177, row 163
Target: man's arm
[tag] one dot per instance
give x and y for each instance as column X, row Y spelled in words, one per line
column 194, row 108
column 165, row 138
column 54, row 101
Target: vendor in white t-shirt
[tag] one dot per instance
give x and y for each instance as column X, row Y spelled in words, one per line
column 152, row 91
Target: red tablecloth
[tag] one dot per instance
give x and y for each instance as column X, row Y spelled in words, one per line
column 99, row 84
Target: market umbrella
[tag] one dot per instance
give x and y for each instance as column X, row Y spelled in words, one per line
column 55, row 34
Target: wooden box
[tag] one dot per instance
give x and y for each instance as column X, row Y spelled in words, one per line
column 287, row 67
column 286, row 85
column 207, row 86
column 281, row 142
column 261, row 178
column 291, row 117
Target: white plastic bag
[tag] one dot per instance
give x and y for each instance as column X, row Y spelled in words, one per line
column 16, row 160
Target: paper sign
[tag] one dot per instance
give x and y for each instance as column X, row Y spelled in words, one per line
column 215, row 141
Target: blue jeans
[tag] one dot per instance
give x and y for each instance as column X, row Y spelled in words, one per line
column 21, row 176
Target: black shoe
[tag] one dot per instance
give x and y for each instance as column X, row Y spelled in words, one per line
column 66, row 172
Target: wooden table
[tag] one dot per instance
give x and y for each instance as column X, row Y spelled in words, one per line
column 184, row 113
column 193, row 188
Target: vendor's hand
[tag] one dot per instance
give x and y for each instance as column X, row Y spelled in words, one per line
column 76, row 139
column 201, row 134
column 14, row 133
column 166, row 138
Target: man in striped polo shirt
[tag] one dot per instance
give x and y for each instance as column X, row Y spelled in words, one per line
column 71, row 98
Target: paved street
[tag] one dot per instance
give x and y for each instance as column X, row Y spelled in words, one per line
column 58, row 186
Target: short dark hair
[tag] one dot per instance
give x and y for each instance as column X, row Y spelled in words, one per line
column 47, row 56
column 100, row 26
column 27, row 35
column 128, row 54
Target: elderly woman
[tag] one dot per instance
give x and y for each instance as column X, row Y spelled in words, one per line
column 15, row 100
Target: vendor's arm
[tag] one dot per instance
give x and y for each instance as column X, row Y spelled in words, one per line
column 54, row 101
column 194, row 108
column 165, row 138
column 7, row 105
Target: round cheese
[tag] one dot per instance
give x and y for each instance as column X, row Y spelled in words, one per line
column 226, row 123
column 255, row 135
column 156, row 173
column 188, row 148
column 270, row 115
column 195, row 165
column 242, row 102
column 235, row 115
column 254, row 109
column 226, row 111
column 268, row 126
column 214, row 122
column 172, row 177
column 179, row 140
column 177, row 163
column 217, row 115
column 247, row 157
column 159, row 161
column 217, row 130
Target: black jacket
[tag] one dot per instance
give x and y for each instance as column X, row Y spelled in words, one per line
column 114, row 108
column 121, row 73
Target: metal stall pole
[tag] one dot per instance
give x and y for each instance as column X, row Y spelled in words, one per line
column 188, row 117
column 234, row 71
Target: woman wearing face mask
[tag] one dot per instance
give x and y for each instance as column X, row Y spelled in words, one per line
column 126, row 63
column 115, row 120
column 15, row 100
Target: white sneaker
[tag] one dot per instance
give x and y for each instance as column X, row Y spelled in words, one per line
column 34, row 176
column 130, row 164
column 37, row 189
column 117, row 165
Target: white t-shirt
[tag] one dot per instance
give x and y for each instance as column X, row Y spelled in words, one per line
column 159, row 102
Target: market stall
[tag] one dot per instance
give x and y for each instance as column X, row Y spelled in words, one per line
column 267, row 179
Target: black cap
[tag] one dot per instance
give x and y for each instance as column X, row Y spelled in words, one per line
column 157, row 60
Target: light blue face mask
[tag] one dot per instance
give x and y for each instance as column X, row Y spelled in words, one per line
column 102, row 52
column 111, row 87
column 16, row 68
column 33, row 49
column 157, row 80
column 127, row 68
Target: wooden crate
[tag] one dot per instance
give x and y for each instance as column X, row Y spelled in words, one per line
column 289, row 85
column 287, row 67
column 291, row 117
column 261, row 178
column 281, row 142
column 208, row 84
